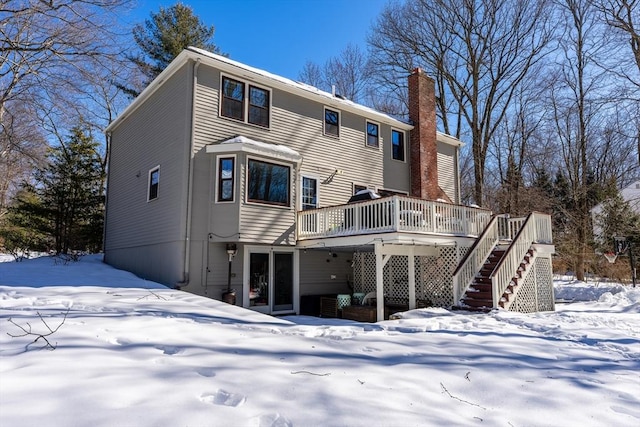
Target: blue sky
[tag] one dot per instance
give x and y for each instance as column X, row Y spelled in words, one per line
column 279, row 36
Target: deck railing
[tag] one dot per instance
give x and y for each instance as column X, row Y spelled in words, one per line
column 535, row 229
column 392, row 214
column 475, row 258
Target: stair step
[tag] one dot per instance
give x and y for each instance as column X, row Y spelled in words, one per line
column 481, row 287
column 483, row 295
column 477, row 303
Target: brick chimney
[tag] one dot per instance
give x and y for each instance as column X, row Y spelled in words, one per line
column 423, row 148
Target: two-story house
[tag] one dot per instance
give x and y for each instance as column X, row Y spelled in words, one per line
column 223, row 175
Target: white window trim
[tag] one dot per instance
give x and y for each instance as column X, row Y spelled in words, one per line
column 317, row 179
column 217, row 177
column 324, row 122
column 152, row 170
column 269, row 205
column 354, row 184
column 245, row 101
column 404, row 148
column 366, row 135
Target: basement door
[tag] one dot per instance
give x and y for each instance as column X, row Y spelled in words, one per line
column 271, row 284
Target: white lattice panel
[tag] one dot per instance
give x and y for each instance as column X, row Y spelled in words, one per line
column 536, row 293
column 525, row 301
column 544, row 283
column 434, row 283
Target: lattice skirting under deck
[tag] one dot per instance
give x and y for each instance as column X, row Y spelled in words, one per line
column 434, row 284
column 536, row 293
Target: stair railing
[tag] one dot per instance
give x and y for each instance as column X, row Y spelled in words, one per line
column 475, row 258
column 536, row 228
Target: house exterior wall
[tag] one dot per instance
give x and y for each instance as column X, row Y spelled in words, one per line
column 448, row 171
column 147, row 237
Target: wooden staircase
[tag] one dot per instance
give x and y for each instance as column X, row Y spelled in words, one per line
column 479, row 296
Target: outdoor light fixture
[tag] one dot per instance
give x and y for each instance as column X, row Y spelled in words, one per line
column 232, row 250
column 230, row 296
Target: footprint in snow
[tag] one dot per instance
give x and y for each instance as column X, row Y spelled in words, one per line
column 169, row 350
column 225, row 398
column 271, row 420
column 206, row 372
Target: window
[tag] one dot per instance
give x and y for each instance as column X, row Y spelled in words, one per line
column 226, row 167
column 268, row 183
column 372, row 135
column 309, row 193
column 258, row 106
column 154, row 183
column 331, row 122
column 232, row 99
column 357, row 188
column 397, row 145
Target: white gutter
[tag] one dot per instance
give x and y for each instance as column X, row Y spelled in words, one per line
column 187, row 240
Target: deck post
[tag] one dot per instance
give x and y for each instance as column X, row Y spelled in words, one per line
column 411, row 265
column 379, row 283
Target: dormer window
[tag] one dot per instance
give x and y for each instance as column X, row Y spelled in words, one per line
column 238, row 102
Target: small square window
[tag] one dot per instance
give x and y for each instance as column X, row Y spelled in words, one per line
column 372, row 135
column 397, row 145
column 154, row 183
column 331, row 122
column 226, row 166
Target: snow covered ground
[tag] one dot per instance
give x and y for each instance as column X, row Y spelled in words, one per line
column 133, row 353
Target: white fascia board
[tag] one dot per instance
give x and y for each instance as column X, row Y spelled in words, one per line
column 238, row 147
column 448, row 139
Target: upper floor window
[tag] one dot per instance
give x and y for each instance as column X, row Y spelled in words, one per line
column 331, row 122
column 268, row 183
column 372, row 135
column 226, row 169
column 154, row 183
column 258, row 106
column 236, row 99
column 397, row 145
column 232, row 99
column 309, row 193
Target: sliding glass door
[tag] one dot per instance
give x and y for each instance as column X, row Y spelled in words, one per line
column 271, row 284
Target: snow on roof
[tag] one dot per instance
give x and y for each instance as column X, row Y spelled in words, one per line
column 242, row 143
column 295, row 84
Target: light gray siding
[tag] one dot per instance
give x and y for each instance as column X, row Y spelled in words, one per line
column 297, row 123
column 448, row 170
column 320, row 268
column 147, row 237
column 397, row 175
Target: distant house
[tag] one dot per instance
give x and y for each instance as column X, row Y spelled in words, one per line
column 215, row 155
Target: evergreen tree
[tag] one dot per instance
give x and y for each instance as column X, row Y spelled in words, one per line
column 616, row 219
column 66, row 201
column 165, row 35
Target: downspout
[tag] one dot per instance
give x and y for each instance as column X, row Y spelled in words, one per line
column 106, row 194
column 187, row 240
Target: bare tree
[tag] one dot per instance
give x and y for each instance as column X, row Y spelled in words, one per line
column 48, row 51
column 349, row 73
column 478, row 51
column 624, row 15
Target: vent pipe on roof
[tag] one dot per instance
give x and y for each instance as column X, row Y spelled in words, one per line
column 333, row 90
